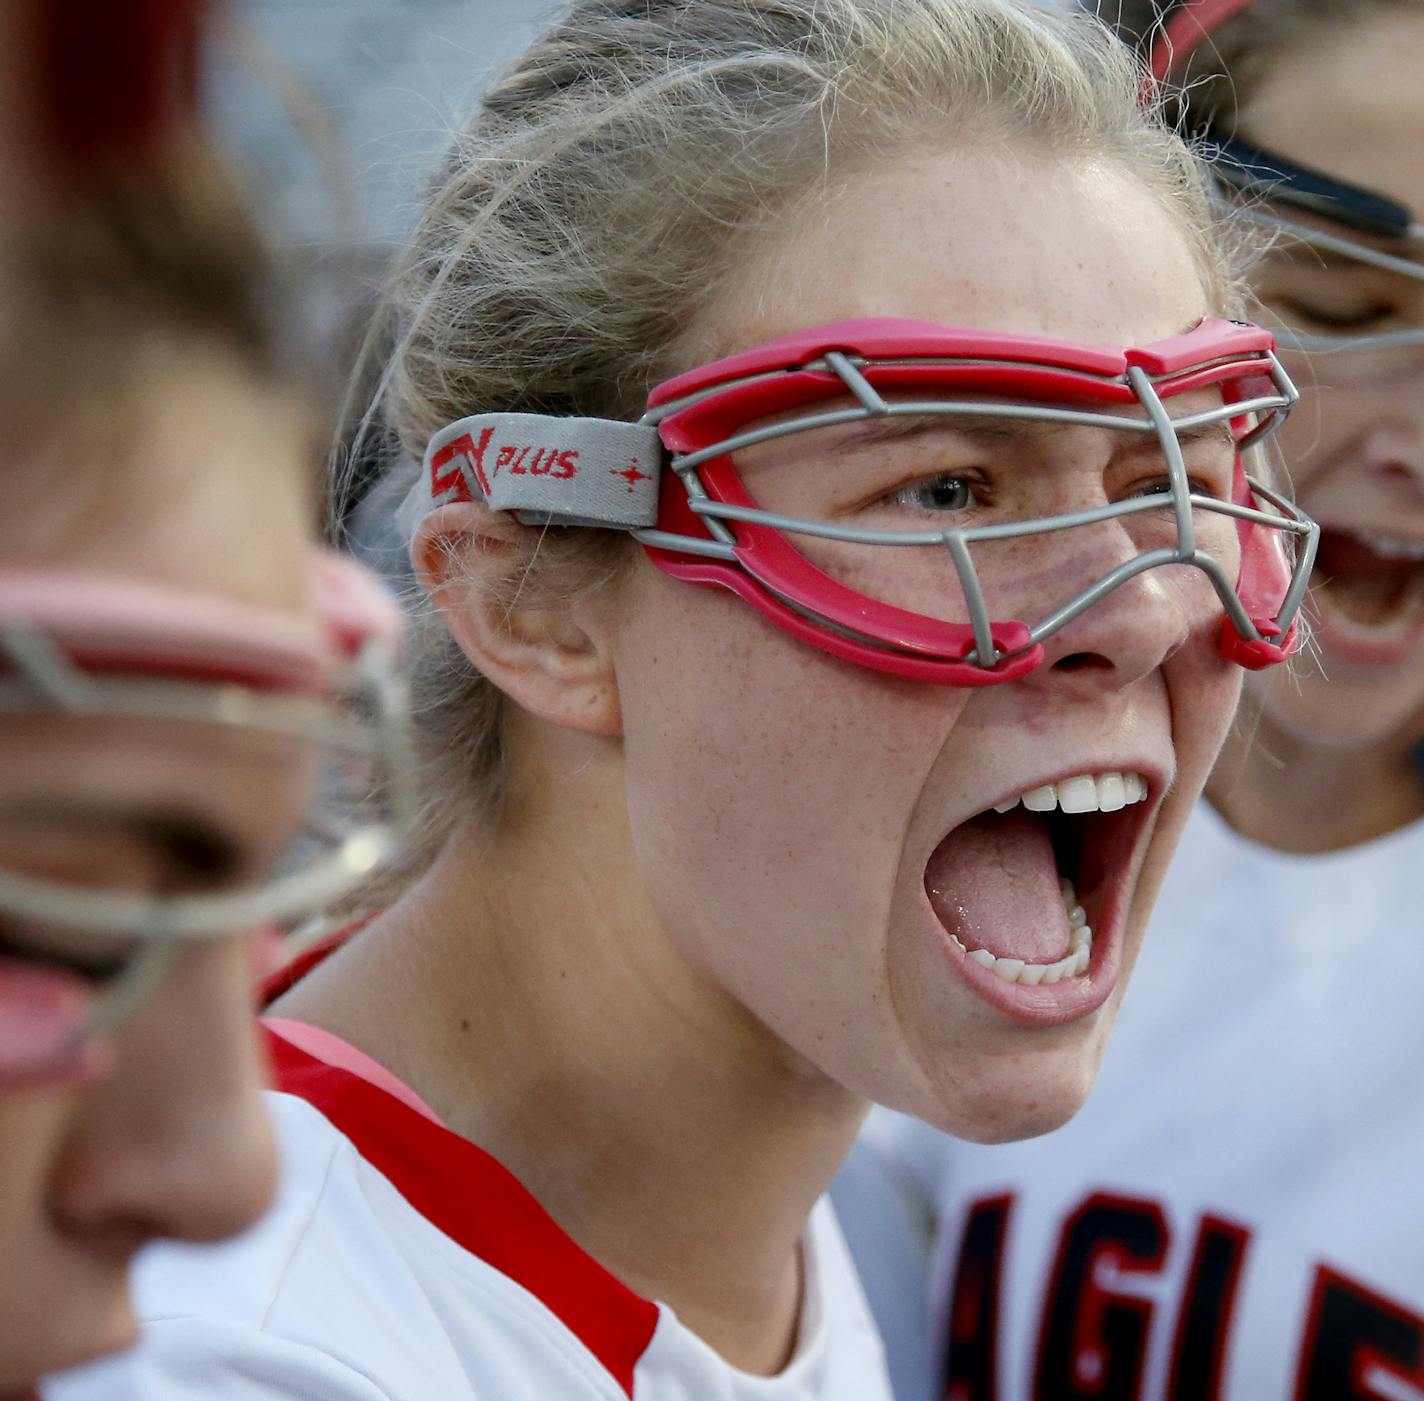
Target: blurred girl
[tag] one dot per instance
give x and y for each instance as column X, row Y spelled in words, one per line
column 173, row 654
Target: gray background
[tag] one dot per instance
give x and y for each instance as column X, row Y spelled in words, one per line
column 337, row 108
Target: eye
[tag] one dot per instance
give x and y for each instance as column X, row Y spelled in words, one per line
column 1162, row 486
column 939, row 493
column 1348, row 317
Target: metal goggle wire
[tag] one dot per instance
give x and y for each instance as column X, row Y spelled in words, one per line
column 368, row 728
column 46, row 675
column 956, row 540
column 1318, row 343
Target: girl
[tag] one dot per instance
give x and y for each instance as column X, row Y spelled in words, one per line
column 886, row 328
column 172, row 659
column 1247, row 1144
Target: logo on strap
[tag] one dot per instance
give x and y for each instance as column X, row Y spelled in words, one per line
column 457, row 470
column 631, row 475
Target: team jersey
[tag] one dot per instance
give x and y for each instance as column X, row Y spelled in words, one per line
column 1238, row 1211
column 402, row 1263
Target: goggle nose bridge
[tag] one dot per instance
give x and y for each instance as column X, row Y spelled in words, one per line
column 144, row 971
column 1184, row 553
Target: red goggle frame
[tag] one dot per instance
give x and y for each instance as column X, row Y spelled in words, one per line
column 710, row 530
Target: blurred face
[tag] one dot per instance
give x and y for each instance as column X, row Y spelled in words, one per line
column 158, row 1128
column 820, row 839
column 1351, row 105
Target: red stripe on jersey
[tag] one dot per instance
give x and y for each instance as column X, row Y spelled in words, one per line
column 479, row 1204
column 290, row 974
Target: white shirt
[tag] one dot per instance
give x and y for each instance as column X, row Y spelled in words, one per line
column 1238, row 1212
column 402, row 1263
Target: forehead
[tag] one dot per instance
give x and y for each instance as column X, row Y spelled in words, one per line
column 1017, row 240
column 187, row 474
column 1347, row 100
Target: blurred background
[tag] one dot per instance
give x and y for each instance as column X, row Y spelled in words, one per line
column 335, row 110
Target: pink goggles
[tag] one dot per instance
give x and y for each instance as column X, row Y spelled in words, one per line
column 935, row 619
column 316, row 697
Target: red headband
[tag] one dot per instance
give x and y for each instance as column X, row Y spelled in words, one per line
column 1194, row 22
column 112, row 79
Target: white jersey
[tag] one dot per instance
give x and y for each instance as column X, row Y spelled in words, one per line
column 402, row 1263
column 1238, row 1212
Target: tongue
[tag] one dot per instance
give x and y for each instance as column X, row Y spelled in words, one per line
column 993, row 883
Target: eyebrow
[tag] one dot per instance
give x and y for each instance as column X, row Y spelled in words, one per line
column 992, row 429
column 1302, row 252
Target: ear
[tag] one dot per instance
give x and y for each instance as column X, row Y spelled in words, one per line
column 472, row 561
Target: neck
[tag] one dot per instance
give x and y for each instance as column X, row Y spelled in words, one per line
column 552, row 1020
column 1286, row 793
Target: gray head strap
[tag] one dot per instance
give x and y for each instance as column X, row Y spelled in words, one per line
column 555, row 471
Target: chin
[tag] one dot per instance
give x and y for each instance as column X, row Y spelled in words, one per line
column 1018, row 1096
column 1345, row 713
column 95, row 1319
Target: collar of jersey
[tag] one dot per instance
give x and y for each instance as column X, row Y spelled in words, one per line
column 478, row 1203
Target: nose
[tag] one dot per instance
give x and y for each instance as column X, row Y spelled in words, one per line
column 176, row 1141
column 1394, row 455
column 1128, row 634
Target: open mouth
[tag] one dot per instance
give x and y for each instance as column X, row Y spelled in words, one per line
column 1371, row 580
column 42, row 1005
column 1021, row 886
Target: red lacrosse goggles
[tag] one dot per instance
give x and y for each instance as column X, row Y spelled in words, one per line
column 237, row 690
column 700, row 417
column 928, row 612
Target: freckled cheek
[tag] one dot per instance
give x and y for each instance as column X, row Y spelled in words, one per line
column 763, row 777
column 1205, row 691
column 1012, row 577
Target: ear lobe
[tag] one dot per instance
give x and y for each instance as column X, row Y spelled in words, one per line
column 476, row 566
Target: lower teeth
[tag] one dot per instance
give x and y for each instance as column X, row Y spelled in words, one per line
column 1073, row 964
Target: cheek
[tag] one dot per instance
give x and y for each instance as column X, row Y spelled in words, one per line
column 1339, row 707
column 1322, row 427
column 1204, row 691
column 31, row 1124
column 769, row 787
column 60, row 1305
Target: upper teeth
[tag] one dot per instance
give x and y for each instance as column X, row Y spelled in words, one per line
column 1391, row 546
column 1084, row 792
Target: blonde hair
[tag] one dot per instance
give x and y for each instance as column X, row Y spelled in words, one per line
column 617, row 174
